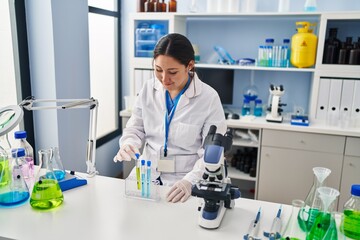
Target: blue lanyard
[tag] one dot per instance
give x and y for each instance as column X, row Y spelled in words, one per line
column 170, row 111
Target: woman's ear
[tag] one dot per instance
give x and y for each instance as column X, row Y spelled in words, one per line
column 191, row 66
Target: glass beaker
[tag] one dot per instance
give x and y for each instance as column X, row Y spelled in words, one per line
column 13, row 190
column 46, row 193
column 325, row 221
column 292, row 230
column 308, row 213
column 56, row 165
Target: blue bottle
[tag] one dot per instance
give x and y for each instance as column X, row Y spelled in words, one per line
column 258, row 108
column 245, row 110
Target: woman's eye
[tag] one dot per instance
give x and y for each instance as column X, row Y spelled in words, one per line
column 172, row 73
column 158, row 70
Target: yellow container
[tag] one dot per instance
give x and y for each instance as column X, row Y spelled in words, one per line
column 303, row 46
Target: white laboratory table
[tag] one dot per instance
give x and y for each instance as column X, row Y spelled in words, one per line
column 100, row 210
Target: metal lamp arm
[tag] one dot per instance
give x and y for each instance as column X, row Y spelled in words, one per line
column 30, row 105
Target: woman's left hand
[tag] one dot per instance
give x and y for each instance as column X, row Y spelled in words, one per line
column 181, row 190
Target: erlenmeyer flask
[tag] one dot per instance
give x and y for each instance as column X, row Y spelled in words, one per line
column 56, row 165
column 308, row 213
column 13, row 190
column 46, row 192
column 5, row 173
column 324, row 222
column 292, row 231
column 339, row 219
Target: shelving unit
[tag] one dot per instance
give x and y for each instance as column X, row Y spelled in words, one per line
column 241, row 34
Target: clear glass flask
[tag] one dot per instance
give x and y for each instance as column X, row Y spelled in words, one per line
column 13, row 188
column 308, row 213
column 325, row 221
column 292, row 230
column 56, row 165
column 46, row 193
column 351, row 221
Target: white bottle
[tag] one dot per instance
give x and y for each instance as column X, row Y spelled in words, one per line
column 234, row 6
column 248, row 6
column 284, row 6
column 211, row 6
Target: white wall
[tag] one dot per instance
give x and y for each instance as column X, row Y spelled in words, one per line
column 59, row 67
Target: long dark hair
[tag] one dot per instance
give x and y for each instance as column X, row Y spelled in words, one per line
column 176, row 46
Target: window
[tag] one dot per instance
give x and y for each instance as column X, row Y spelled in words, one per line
column 104, row 52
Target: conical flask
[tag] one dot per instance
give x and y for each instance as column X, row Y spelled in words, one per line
column 308, row 213
column 56, row 165
column 325, row 221
column 13, row 188
column 46, row 193
column 292, row 230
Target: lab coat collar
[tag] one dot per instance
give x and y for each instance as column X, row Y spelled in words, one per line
column 193, row 90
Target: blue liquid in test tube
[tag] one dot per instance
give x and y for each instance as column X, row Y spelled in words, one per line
column 143, row 178
column 148, row 177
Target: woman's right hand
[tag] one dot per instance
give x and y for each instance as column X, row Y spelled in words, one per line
column 126, row 153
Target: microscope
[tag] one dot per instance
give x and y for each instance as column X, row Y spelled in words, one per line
column 275, row 106
column 215, row 188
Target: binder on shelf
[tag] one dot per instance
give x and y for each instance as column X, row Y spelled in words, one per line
column 355, row 112
column 334, row 100
column 323, row 99
column 347, row 95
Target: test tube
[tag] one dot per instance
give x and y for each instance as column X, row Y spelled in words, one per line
column 137, row 165
column 148, row 177
column 143, row 178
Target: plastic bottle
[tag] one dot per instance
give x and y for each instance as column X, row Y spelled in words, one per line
column 269, row 44
column 284, row 6
column 245, row 110
column 29, row 153
column 303, row 46
column 285, row 53
column 258, row 108
column 351, row 224
column 172, row 5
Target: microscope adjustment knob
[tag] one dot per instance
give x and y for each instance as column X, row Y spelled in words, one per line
column 205, row 176
column 219, row 177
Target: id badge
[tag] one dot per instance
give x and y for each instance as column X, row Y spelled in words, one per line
column 166, row 164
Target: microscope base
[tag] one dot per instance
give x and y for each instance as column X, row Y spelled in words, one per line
column 271, row 118
column 212, row 223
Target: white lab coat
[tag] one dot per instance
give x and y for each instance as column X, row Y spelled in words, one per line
column 198, row 108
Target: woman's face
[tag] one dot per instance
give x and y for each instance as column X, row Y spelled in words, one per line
column 172, row 74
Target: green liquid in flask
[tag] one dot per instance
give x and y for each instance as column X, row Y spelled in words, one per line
column 306, row 225
column 5, row 176
column 352, row 224
column 46, row 195
column 321, row 226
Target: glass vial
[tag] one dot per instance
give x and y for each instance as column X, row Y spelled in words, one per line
column 163, row 6
column 351, row 222
column 172, row 5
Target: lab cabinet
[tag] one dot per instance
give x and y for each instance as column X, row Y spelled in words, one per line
column 287, row 160
column 351, row 169
column 242, row 161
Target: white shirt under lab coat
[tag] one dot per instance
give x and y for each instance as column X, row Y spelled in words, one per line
column 198, row 108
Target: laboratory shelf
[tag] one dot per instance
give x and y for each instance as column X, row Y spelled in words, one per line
column 238, row 67
column 237, row 174
column 244, row 143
